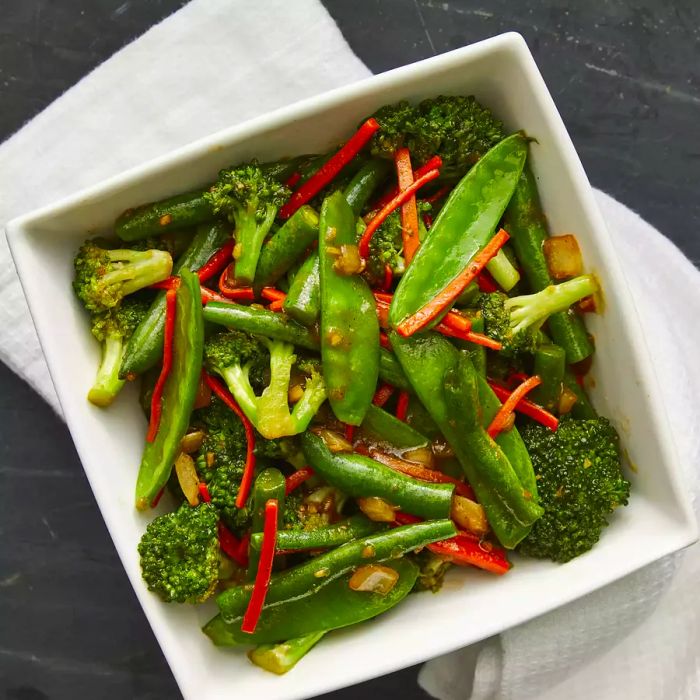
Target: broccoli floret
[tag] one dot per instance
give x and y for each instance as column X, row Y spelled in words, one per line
column 231, row 357
column 250, row 199
column 113, row 328
column 579, row 481
column 386, row 248
column 180, row 554
column 432, row 570
column 300, row 514
column 516, row 321
column 456, row 128
column 104, row 276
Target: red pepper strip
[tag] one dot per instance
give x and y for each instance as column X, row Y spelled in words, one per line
column 427, row 220
column 223, row 393
column 384, row 341
column 230, row 545
column 471, row 336
column 527, row 408
column 383, row 296
column 171, row 282
column 434, row 163
column 328, row 171
column 208, row 295
column 272, row 294
column 579, row 379
column 216, row 262
column 465, row 549
column 157, row 397
column 447, row 296
column 516, row 378
column 499, row 420
column 382, row 395
column 276, row 305
column 293, row 179
column 295, row 480
column 262, row 576
column 409, row 210
column 423, row 473
column 204, row 492
column 388, row 278
column 395, row 203
column 486, row 282
column 349, row 432
column 157, row 498
column 382, row 313
column 402, row 405
column 437, row 196
column 238, row 293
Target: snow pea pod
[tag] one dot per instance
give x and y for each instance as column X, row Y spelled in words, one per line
column 365, row 182
column 428, row 360
column 349, row 325
column 286, row 246
column 179, row 393
column 527, row 226
column 145, row 347
column 463, row 227
column 382, row 426
column 322, row 537
column 311, row 575
column 332, row 606
column 361, row 477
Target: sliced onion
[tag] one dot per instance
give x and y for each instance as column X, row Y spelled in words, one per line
column 335, row 442
column 192, row 441
column 469, row 515
column 187, row 476
column 567, row 399
column 377, row 509
column 421, row 455
column 563, row 256
column 348, row 261
column 374, row 578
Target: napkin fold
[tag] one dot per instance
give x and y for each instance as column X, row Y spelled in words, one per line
column 219, row 62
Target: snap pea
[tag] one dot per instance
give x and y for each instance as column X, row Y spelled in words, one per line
column 390, row 371
column 365, row 182
column 326, row 607
column 429, row 360
column 269, row 483
column 463, row 227
column 311, row 575
column 349, row 325
column 361, row 477
column 286, row 246
column 303, row 302
column 179, row 392
column 261, row 322
column 152, row 219
column 382, row 426
column 280, row 657
column 583, row 408
column 145, row 347
column 550, row 363
column 527, row 226
column 323, row 537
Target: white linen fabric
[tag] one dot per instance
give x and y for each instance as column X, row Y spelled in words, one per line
column 637, row 636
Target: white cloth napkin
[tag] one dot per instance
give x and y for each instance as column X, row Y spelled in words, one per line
column 172, row 86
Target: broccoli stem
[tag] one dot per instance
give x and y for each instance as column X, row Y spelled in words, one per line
column 134, row 269
column 238, row 383
column 280, row 658
column 503, row 271
column 534, row 309
column 250, row 236
column 107, row 383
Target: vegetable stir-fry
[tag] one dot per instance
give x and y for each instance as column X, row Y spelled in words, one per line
column 364, row 369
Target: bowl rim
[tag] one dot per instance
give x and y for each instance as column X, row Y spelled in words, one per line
column 19, row 228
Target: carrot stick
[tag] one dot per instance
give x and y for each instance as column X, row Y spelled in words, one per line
column 409, row 210
column 514, row 398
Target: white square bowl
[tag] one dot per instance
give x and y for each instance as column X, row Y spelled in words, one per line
column 473, row 605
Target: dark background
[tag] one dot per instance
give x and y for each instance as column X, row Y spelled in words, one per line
column 627, row 82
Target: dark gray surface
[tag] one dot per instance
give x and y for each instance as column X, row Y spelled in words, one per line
column 627, row 82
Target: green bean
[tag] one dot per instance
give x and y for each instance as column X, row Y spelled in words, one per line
column 583, row 408
column 311, row 575
column 365, row 182
column 361, row 477
column 286, row 246
column 550, row 363
column 269, row 483
column 390, row 371
column 303, row 302
column 381, row 426
column 261, row 322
